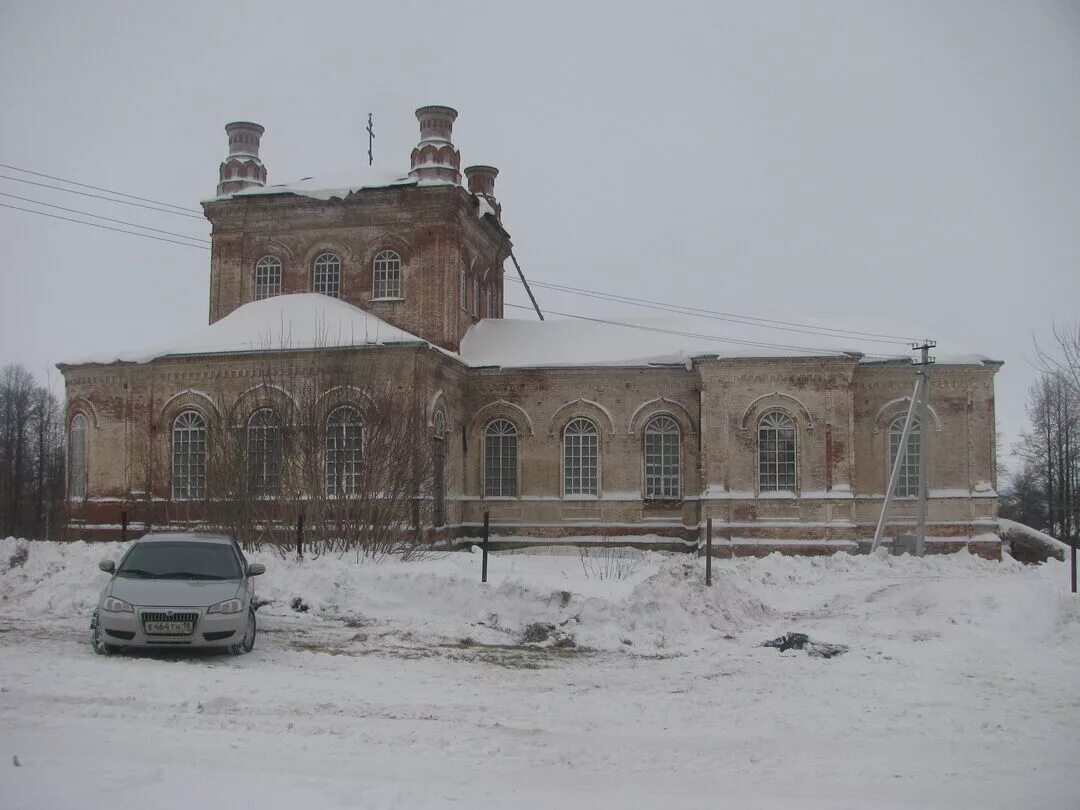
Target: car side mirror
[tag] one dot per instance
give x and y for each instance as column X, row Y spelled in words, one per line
column 108, row 566
column 255, row 569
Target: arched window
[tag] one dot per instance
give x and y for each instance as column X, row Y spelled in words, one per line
column 907, row 483
column 476, row 296
column 581, row 458
column 267, row 278
column 387, row 275
column 500, row 459
column 264, row 454
column 189, row 457
column 438, row 458
column 344, row 450
column 776, row 453
column 663, row 468
column 327, row 279
column 463, row 288
column 77, row 458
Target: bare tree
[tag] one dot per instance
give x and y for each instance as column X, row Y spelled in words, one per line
column 31, row 456
column 338, row 436
column 1051, row 452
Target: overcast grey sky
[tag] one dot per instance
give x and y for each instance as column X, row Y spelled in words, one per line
column 883, row 163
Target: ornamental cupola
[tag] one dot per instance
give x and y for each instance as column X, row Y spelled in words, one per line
column 242, row 168
column 435, row 158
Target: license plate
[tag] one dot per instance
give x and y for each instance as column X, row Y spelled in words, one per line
column 169, row 628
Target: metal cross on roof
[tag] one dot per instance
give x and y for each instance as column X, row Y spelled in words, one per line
column 370, row 139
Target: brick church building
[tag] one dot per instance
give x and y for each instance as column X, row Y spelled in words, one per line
column 556, row 428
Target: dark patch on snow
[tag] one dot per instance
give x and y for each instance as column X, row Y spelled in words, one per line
column 546, row 635
column 299, row 605
column 800, row 641
column 20, row 556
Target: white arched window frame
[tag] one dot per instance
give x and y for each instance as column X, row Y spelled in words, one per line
column 777, row 453
column 326, row 278
column 500, row 459
column 907, row 482
column 386, row 276
column 77, row 458
column 267, row 278
column 264, row 454
column 344, row 450
column 438, row 457
column 663, row 459
column 581, row 458
column 189, row 457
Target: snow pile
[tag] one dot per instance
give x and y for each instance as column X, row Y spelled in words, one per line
column 664, row 605
column 1030, row 544
column 283, row 322
column 40, row 578
column 661, row 606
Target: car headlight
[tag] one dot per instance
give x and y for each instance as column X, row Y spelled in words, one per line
column 228, row 606
column 114, row 605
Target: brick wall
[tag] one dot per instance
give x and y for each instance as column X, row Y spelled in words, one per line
column 434, row 229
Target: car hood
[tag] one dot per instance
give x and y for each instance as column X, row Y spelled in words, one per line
column 173, row 592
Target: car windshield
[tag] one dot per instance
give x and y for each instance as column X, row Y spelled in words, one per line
column 180, row 560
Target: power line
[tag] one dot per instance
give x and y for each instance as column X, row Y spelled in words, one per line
column 96, row 196
column 98, row 188
column 748, row 320
column 713, row 338
column 104, row 227
column 107, row 219
column 764, row 323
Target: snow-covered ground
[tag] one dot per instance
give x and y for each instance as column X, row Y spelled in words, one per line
column 408, row 685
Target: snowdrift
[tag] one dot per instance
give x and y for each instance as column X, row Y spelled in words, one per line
column 661, row 606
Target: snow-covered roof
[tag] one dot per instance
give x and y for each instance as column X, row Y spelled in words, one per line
column 338, row 186
column 314, row 321
column 284, row 322
column 513, row 343
column 676, row 340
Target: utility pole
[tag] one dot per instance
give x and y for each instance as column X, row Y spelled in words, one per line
column 370, row 140
column 924, row 444
column 919, row 404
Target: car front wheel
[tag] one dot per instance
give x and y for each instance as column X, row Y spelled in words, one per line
column 100, row 647
column 247, row 643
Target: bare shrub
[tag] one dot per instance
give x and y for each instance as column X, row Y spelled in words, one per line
column 344, row 444
column 609, row 562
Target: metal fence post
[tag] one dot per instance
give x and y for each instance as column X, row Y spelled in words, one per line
column 483, row 572
column 708, row 551
column 123, row 529
column 300, row 536
column 1074, row 565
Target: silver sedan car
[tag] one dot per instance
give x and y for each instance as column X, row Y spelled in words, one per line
column 177, row 590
